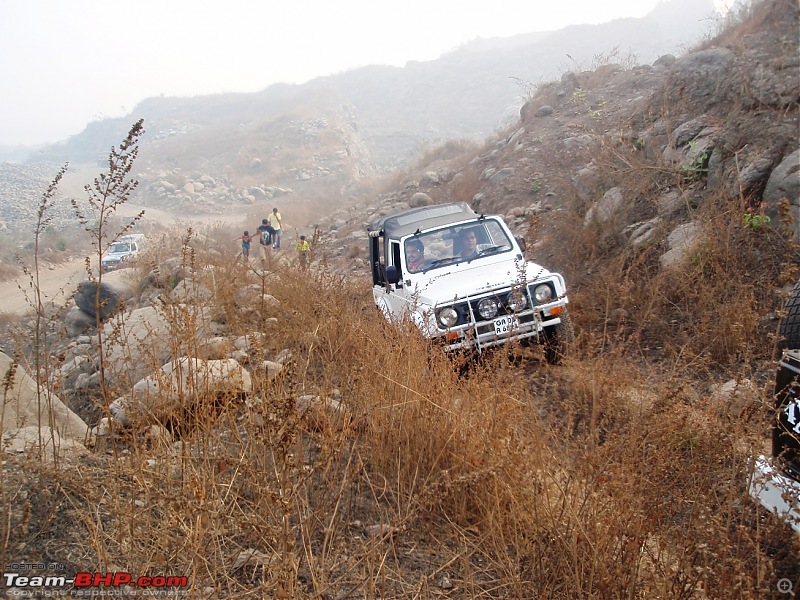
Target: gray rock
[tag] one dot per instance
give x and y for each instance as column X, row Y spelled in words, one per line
column 665, row 60
column 685, row 132
column 755, row 173
column 640, row 233
column 502, row 174
column 606, row 208
column 586, row 181
column 669, row 202
column 189, row 291
column 20, row 406
column 431, row 177
column 680, row 242
column 107, row 298
column 181, row 384
column 420, row 199
column 77, row 322
column 570, row 79
column 146, row 337
column 699, row 75
column 732, row 397
column 257, row 193
column 784, row 182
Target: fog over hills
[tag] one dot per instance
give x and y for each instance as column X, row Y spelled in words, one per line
column 324, row 140
column 468, row 92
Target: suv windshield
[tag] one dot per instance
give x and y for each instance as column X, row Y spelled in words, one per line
column 458, row 243
column 118, row 248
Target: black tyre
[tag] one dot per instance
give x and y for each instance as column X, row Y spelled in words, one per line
column 559, row 339
column 789, row 330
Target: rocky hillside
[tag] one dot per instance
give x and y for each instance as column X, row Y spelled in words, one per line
column 324, row 138
column 636, row 151
column 613, row 167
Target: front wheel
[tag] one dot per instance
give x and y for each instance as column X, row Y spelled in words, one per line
column 558, row 339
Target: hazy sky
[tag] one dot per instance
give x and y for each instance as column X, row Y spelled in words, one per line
column 68, row 62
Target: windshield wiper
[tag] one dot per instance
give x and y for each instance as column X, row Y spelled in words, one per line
column 440, row 262
column 492, row 249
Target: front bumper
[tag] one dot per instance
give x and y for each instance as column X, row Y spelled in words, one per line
column 776, row 492
column 482, row 334
column 111, row 265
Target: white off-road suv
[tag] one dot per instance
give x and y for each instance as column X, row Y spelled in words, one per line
column 124, row 248
column 462, row 278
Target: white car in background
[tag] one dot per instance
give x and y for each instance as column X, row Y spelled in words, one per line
column 121, row 250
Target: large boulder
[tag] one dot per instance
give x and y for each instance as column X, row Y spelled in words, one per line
column 138, row 342
column 697, row 76
column 108, row 296
column 784, row 182
column 181, row 386
column 25, row 404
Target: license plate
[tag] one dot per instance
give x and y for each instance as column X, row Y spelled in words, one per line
column 505, row 325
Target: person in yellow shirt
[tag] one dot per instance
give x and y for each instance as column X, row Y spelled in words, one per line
column 303, row 248
column 275, row 223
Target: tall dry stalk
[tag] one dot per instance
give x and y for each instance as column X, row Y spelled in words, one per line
column 104, row 196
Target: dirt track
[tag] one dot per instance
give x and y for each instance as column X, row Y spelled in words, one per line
column 58, row 282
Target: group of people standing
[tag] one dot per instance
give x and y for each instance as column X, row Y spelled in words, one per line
column 269, row 238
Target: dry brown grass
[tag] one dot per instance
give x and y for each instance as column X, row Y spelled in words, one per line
column 601, row 478
column 618, row 474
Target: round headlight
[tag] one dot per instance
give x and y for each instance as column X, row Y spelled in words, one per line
column 487, row 308
column 542, row 293
column 448, row 317
column 517, row 301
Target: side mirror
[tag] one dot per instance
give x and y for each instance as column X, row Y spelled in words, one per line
column 392, row 274
column 522, row 243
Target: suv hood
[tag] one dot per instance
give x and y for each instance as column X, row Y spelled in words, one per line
column 459, row 281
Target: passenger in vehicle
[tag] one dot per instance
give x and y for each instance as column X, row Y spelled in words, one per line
column 415, row 255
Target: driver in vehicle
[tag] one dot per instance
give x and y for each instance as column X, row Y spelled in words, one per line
column 469, row 244
column 415, row 255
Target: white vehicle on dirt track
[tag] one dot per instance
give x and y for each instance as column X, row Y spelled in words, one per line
column 462, row 278
column 123, row 249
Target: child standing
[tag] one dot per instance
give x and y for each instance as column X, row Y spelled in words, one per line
column 246, row 237
column 303, row 248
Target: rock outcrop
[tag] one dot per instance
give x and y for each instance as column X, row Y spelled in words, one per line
column 26, row 405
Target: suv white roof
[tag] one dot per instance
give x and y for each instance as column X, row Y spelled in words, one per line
column 409, row 221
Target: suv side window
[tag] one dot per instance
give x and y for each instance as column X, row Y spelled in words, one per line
column 394, row 248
